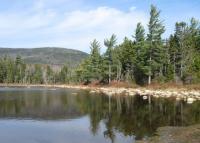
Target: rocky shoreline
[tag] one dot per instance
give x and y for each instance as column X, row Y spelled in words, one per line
column 180, row 94
column 190, row 134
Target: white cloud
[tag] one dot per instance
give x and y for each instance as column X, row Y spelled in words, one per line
column 74, row 29
column 132, row 8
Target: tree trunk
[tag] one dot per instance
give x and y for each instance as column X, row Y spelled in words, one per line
column 181, row 69
column 181, row 59
column 161, row 71
column 174, row 58
column 149, row 79
column 109, row 102
column 109, row 80
column 117, row 78
column 120, row 73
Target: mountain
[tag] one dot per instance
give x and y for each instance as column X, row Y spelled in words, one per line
column 46, row 55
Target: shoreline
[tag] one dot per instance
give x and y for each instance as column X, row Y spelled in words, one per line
column 175, row 134
column 189, row 95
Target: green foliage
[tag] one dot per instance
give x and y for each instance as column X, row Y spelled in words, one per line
column 109, row 59
column 141, row 55
column 90, row 68
column 94, row 60
column 147, row 59
column 155, row 48
column 64, row 74
column 37, row 75
column 127, row 58
column 46, row 55
column 50, row 75
column 139, row 33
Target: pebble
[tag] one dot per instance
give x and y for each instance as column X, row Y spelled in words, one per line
column 190, row 100
column 145, row 97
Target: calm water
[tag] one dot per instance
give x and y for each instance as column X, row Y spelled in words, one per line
column 38, row 115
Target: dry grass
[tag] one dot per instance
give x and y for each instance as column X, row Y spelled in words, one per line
column 173, row 86
column 170, row 85
column 117, row 84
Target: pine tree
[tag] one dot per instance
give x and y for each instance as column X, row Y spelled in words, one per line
column 10, row 70
column 192, row 56
column 49, row 74
column 2, row 71
column 84, row 71
column 173, row 54
column 90, row 68
column 108, row 56
column 139, row 33
column 18, row 70
column 155, row 51
column 140, row 55
column 127, row 58
column 95, row 59
column 180, row 34
column 38, row 75
column 64, row 74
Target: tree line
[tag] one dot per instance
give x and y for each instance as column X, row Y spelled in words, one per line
column 142, row 59
column 16, row 71
column 147, row 57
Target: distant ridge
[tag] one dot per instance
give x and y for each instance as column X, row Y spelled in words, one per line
column 46, row 55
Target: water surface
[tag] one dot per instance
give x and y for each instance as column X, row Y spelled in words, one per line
column 39, row 115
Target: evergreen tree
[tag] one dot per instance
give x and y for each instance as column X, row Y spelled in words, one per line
column 38, row 75
column 49, row 74
column 155, row 51
column 10, row 70
column 95, row 60
column 139, row 33
column 2, row 70
column 173, row 52
column 64, row 74
column 191, row 53
column 180, row 34
column 108, row 56
column 90, row 69
column 127, row 58
column 141, row 56
column 83, row 72
column 18, row 69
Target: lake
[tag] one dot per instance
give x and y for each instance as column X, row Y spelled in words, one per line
column 43, row 115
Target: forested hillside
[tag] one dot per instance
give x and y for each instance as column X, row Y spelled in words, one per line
column 46, row 55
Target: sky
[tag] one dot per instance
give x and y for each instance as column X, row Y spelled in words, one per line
column 75, row 23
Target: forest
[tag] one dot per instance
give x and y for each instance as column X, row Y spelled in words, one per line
column 144, row 59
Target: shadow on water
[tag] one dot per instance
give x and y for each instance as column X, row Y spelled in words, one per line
column 131, row 116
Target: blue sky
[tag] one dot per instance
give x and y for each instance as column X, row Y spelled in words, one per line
column 73, row 24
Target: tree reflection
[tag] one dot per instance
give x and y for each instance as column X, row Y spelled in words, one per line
column 135, row 116
column 131, row 116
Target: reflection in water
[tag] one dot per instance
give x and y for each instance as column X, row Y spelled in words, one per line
column 110, row 119
column 41, row 104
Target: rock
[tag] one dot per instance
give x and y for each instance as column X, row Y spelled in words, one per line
column 178, row 98
column 92, row 91
column 131, row 93
column 190, row 100
column 145, row 97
